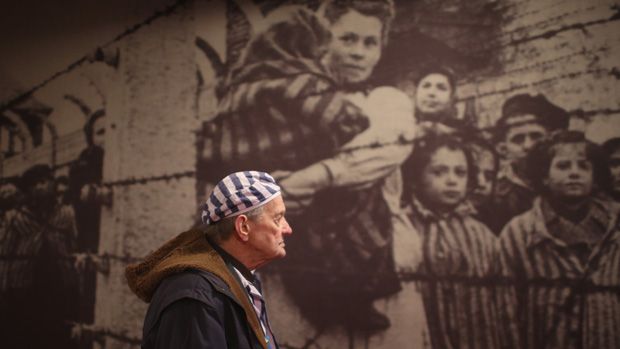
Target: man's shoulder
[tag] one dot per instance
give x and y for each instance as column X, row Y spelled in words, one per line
column 190, row 283
column 197, row 285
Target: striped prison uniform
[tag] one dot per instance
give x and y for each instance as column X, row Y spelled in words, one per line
column 560, row 297
column 280, row 108
column 457, row 277
column 255, row 296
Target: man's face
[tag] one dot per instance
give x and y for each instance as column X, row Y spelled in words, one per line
column 433, row 94
column 520, row 139
column 570, row 173
column 267, row 232
column 355, row 47
column 614, row 168
column 444, row 179
column 487, row 171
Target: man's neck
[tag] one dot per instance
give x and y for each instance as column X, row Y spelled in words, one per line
column 230, row 256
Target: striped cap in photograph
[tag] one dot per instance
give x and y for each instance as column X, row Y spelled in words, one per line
column 238, row 193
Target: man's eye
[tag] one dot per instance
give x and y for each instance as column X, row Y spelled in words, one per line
column 518, row 139
column 563, row 165
column 535, row 136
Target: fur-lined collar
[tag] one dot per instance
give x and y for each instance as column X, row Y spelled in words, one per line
column 188, row 250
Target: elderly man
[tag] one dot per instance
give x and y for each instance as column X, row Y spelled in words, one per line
column 201, row 285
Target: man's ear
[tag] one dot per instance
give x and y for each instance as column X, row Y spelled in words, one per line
column 242, row 228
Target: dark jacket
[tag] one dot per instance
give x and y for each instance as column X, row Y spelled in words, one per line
column 195, row 299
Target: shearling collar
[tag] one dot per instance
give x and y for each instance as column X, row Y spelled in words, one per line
column 188, row 250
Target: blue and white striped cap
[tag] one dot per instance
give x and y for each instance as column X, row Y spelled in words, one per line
column 238, row 193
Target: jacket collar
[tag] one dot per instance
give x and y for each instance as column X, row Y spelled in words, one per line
column 189, row 250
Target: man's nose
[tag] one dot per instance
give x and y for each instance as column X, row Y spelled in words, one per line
column 287, row 228
column 528, row 143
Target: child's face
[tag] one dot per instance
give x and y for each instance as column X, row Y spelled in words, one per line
column 433, row 94
column 487, row 171
column 444, row 179
column 521, row 139
column 570, row 172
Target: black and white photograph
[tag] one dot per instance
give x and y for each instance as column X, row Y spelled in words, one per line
column 310, row 174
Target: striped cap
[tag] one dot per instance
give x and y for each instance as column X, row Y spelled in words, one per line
column 238, row 193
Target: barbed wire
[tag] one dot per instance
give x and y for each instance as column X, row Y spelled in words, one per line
column 145, row 180
column 168, row 10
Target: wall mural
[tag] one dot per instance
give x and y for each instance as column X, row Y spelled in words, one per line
column 451, row 180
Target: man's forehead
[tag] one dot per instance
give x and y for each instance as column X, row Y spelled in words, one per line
column 276, row 205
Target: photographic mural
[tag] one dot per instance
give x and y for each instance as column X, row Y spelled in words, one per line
column 451, row 170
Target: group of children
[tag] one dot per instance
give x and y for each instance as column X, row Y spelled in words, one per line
column 526, row 255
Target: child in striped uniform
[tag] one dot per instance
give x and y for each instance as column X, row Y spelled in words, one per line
column 456, row 252
column 563, row 255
